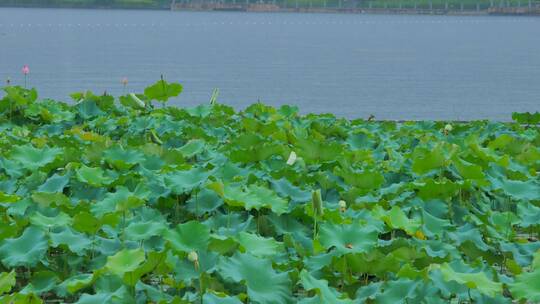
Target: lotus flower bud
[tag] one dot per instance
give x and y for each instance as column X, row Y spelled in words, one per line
column 25, row 70
column 292, row 158
column 447, row 129
column 137, row 100
column 317, row 203
column 342, row 205
column 193, row 256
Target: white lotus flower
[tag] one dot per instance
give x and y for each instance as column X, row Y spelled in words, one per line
column 292, row 158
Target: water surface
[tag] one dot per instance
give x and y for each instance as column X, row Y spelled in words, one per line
column 395, row 67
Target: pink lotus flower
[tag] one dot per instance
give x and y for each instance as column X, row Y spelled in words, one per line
column 124, row 83
column 25, row 70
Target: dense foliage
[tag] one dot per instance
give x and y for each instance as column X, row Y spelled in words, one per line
column 120, row 201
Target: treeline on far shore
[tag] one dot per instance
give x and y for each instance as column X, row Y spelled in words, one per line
column 344, row 4
column 155, row 4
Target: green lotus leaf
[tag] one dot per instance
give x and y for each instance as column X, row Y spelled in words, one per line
column 93, row 176
column 120, row 295
column 184, row 181
column 41, row 282
column 33, row 158
column 477, row 280
column 254, row 197
column 153, row 260
column 529, row 190
column 536, row 260
column 124, row 261
column 204, row 201
column 7, row 281
column 40, row 220
column 264, row 284
column 409, row 272
column 46, row 199
column 88, row 109
column 434, row 226
column 192, row 148
column 523, row 253
column 425, row 160
column 348, row 238
column 200, row 111
column 8, row 198
column 284, row 188
column 55, row 183
column 76, row 242
column 526, row 286
column 153, row 293
column 364, row 180
column 78, row 282
column 395, row 218
column 26, row 250
column 360, row 141
column 468, row 170
column 187, row 237
column 121, row 200
column 432, row 189
column 138, row 231
column 20, row 298
column 95, row 298
column 86, row 222
column 529, row 214
column 326, row 293
column 187, row 270
column 259, row 246
column 123, row 159
column 318, row 151
column 162, row 90
column 369, row 292
column 212, row 298
column 398, row 291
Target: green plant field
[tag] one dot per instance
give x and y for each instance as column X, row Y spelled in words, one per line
column 124, row 200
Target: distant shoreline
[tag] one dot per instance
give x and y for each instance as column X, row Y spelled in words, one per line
column 87, row 7
column 265, row 8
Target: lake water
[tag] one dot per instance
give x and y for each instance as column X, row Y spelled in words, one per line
column 395, row 67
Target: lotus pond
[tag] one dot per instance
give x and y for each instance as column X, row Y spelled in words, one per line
column 123, row 200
